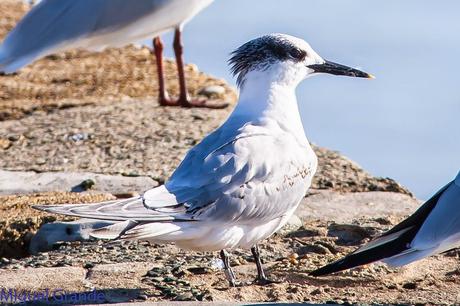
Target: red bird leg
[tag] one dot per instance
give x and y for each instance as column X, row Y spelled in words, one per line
column 163, row 96
column 184, row 99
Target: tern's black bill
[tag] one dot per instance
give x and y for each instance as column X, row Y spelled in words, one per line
column 337, row 69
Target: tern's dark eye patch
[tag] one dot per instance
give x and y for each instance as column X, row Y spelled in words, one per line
column 284, row 52
column 298, row 54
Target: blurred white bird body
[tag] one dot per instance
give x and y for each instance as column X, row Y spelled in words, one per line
column 57, row 25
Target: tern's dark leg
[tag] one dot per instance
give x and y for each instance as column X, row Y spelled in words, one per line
column 261, row 277
column 184, row 99
column 163, row 96
column 228, row 269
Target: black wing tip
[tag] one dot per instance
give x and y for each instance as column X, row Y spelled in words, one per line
column 317, row 273
column 328, row 269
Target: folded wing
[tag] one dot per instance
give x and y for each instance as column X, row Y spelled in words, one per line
column 242, row 180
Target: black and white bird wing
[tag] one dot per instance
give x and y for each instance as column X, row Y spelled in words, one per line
column 57, row 25
column 440, row 231
column 411, row 239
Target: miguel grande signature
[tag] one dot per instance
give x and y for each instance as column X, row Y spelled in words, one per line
column 54, row 295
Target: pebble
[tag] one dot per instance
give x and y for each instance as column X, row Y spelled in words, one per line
column 155, row 272
column 156, row 279
column 5, row 260
column 212, row 91
column 142, row 297
column 198, row 270
column 351, row 233
column 410, row 286
column 169, row 279
column 293, row 259
column 316, row 291
column 392, row 287
column 40, row 161
column 185, row 297
column 14, row 137
column 5, row 144
column 87, row 184
column 79, row 137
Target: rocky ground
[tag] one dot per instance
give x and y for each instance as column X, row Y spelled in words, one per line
column 91, row 113
column 139, row 271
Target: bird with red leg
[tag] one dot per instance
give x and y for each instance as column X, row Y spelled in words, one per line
column 54, row 26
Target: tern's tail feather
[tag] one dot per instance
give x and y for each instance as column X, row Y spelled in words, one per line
column 154, row 219
column 114, row 231
column 155, row 231
column 119, row 210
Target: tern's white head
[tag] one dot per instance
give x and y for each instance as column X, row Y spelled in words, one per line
column 287, row 59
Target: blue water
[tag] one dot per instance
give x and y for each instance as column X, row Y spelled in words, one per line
column 404, row 124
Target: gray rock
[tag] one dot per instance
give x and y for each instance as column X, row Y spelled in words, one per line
column 32, row 279
column 351, row 233
column 328, row 206
column 12, row 182
column 212, row 91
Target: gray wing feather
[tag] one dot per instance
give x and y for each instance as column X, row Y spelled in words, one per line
column 120, row 210
column 244, row 178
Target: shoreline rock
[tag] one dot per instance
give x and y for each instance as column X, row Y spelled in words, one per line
column 22, row 183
